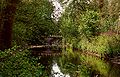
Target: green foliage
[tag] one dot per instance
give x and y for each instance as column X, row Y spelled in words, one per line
column 15, row 63
column 97, row 64
column 33, row 20
column 80, row 65
column 68, row 27
column 82, row 27
column 71, row 63
column 102, row 45
column 89, row 23
column 99, row 44
column 80, row 21
column 114, row 47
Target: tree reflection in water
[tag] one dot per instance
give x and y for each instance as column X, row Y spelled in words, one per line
column 87, row 66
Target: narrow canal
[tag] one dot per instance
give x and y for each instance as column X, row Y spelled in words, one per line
column 70, row 63
column 76, row 65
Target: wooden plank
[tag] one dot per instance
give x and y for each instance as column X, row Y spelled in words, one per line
column 42, row 46
column 53, row 36
column 47, row 53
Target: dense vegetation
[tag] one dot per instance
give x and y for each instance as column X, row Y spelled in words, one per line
column 85, row 26
column 89, row 27
column 19, row 63
column 33, row 20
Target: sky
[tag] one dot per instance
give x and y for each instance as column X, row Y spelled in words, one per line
column 59, row 8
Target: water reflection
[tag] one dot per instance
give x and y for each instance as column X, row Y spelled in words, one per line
column 86, row 66
column 55, row 72
column 77, row 65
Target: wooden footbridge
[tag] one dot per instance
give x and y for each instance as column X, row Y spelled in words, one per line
column 53, row 47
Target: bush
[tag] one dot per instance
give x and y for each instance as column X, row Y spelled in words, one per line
column 114, row 47
column 102, row 44
column 15, row 63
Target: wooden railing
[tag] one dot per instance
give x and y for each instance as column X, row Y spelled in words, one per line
column 52, row 47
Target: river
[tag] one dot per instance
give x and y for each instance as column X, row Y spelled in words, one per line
column 81, row 66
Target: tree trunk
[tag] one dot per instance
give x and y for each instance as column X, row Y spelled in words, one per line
column 6, row 22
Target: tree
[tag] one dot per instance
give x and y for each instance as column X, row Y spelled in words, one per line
column 33, row 20
column 6, row 23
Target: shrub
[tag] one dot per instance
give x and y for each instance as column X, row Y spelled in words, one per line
column 16, row 63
